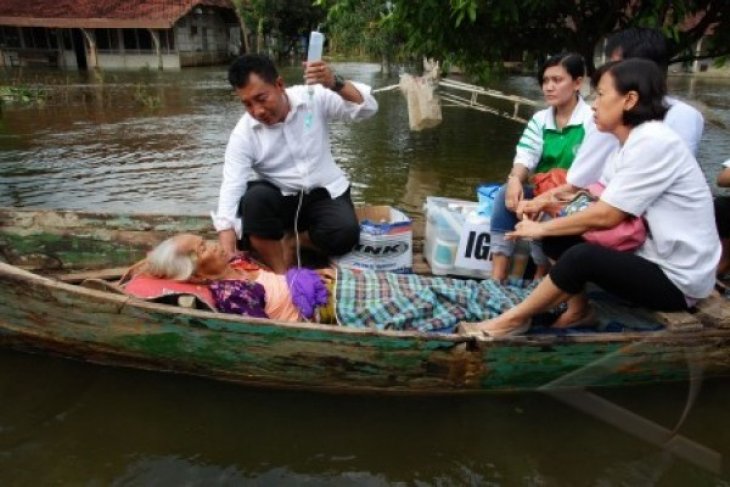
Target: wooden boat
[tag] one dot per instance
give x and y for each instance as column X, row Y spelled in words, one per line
column 43, row 252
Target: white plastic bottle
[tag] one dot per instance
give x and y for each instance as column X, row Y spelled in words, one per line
column 446, row 243
column 314, row 53
column 316, row 44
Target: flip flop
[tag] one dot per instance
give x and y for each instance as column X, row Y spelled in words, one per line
column 471, row 329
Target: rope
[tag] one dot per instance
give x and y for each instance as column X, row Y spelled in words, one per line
column 386, row 88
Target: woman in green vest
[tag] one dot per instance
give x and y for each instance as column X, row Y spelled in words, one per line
column 550, row 141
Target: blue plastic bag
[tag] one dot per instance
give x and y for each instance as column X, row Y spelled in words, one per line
column 485, row 196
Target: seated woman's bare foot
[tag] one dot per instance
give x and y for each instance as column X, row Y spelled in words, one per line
column 573, row 318
column 501, row 326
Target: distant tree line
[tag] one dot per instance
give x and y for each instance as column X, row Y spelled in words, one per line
column 479, row 35
column 277, row 26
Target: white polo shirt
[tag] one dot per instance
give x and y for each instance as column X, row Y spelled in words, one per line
column 293, row 155
column 654, row 175
column 588, row 166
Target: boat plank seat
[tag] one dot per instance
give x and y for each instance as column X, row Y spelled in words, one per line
column 101, row 285
column 714, row 311
column 678, row 321
column 111, row 274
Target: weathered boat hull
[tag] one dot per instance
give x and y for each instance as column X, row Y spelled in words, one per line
column 44, row 314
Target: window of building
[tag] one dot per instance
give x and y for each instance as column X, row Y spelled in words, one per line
column 67, row 42
column 107, row 39
column 144, row 40
column 53, row 38
column 35, row 38
column 40, row 38
column 130, row 39
column 9, row 37
column 138, row 40
column 27, row 37
column 167, row 40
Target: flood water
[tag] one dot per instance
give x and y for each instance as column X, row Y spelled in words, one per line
column 154, row 142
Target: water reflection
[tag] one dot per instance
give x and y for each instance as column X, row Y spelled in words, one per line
column 96, row 143
column 98, row 425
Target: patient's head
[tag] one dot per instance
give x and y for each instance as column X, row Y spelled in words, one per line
column 187, row 256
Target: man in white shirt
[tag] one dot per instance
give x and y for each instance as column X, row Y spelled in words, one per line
column 722, row 219
column 685, row 120
column 281, row 186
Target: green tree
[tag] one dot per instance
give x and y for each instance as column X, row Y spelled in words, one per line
column 284, row 20
column 363, row 28
column 480, row 34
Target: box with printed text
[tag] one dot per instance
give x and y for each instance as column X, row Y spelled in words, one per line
column 386, row 241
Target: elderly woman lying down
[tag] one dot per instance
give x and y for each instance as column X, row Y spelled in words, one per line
column 353, row 298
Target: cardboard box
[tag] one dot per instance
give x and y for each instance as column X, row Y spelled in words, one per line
column 386, row 241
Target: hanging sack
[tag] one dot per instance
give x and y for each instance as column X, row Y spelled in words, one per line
column 627, row 236
column 424, row 107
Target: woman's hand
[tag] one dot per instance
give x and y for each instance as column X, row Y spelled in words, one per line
column 531, row 208
column 514, row 193
column 528, row 229
column 723, row 179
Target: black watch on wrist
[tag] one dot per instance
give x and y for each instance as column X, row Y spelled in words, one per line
column 339, row 83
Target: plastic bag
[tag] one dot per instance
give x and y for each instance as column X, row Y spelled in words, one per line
column 424, row 106
column 546, row 181
column 486, row 193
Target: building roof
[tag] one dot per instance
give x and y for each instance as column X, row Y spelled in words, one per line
column 151, row 14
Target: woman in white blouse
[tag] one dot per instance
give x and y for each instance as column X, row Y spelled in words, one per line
column 648, row 176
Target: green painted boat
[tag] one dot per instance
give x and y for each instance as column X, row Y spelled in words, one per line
column 42, row 310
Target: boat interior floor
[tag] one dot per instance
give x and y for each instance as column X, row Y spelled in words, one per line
column 614, row 315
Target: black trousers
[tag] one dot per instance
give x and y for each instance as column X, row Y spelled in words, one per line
column 331, row 222
column 722, row 216
column 623, row 274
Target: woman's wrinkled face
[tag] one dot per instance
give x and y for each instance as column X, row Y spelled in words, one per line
column 558, row 87
column 609, row 105
column 210, row 258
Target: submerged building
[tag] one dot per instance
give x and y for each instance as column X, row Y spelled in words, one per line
column 118, row 34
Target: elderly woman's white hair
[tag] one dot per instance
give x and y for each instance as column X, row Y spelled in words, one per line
column 167, row 262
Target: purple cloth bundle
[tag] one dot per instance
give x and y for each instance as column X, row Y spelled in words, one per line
column 239, row 297
column 307, row 290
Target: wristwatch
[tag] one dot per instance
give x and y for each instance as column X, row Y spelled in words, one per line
column 339, row 83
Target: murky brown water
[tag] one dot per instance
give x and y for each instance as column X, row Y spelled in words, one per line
column 150, row 142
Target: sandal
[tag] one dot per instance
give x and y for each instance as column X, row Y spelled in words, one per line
column 473, row 330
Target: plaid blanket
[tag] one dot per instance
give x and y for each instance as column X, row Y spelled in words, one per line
column 384, row 300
